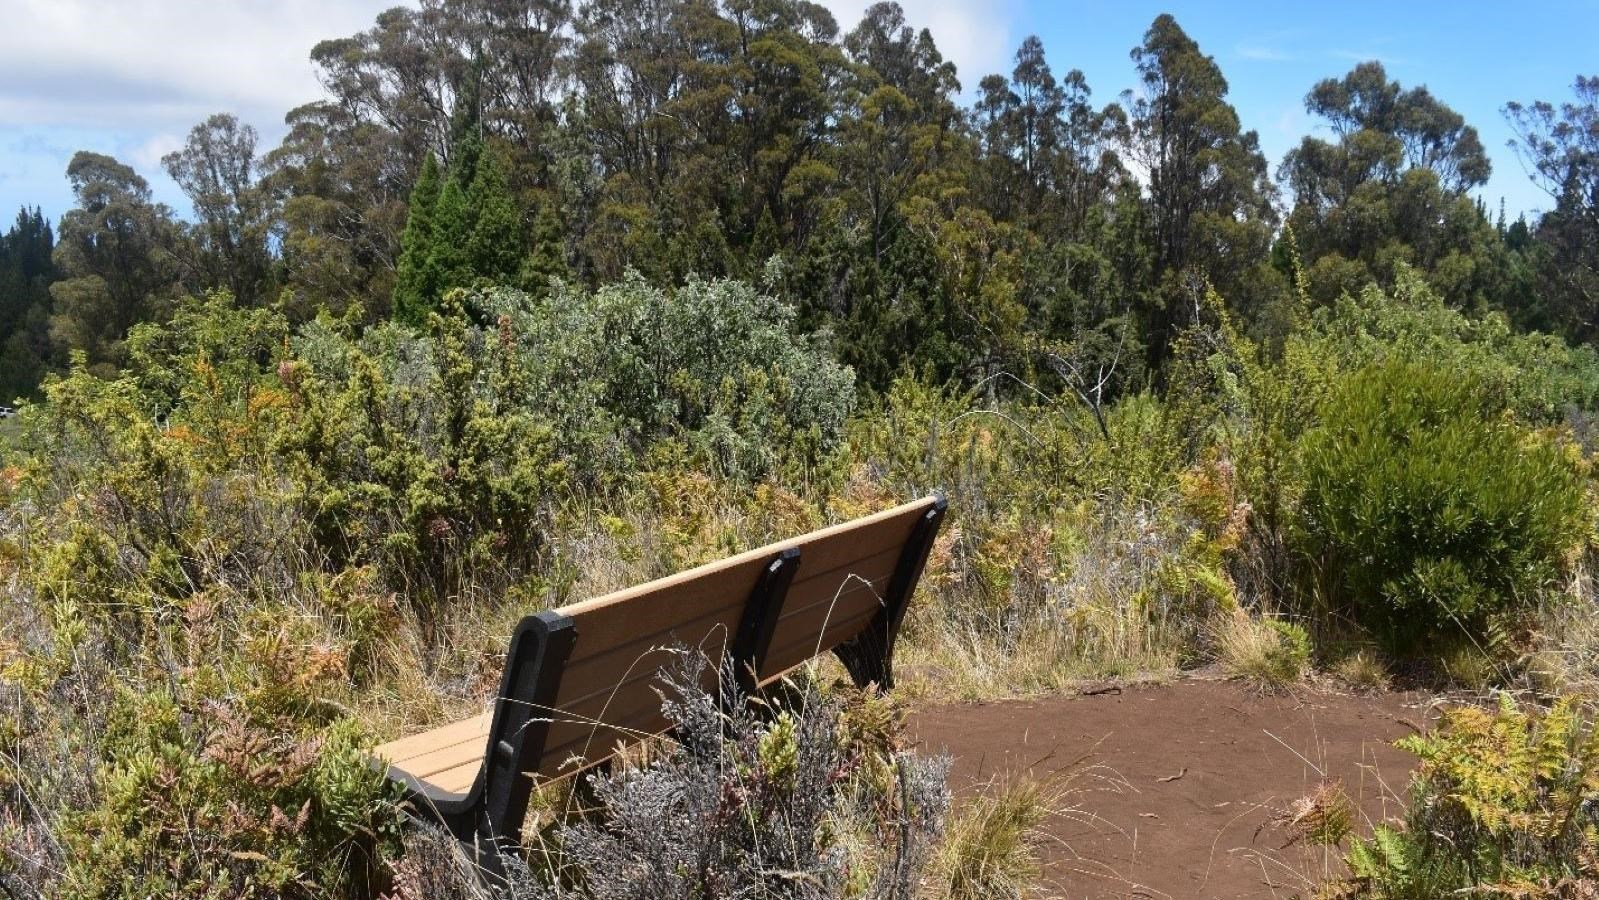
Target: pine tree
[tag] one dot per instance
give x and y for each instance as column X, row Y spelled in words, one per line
column 414, row 292
column 546, row 261
column 448, row 264
column 497, row 242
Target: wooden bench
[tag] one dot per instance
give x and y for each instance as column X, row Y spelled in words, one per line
column 581, row 680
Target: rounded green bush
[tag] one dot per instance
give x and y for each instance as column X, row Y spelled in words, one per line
column 1427, row 512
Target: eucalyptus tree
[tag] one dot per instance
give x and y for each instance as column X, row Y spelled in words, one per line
column 1390, row 188
column 217, row 169
column 1210, row 202
column 1560, row 145
column 121, row 259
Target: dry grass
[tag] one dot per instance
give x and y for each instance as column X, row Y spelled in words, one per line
column 1362, row 671
column 1269, row 653
column 990, row 848
column 1048, row 612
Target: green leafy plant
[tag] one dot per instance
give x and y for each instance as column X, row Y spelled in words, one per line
column 1504, row 803
column 1427, row 514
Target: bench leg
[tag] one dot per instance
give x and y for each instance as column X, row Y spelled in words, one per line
column 869, row 656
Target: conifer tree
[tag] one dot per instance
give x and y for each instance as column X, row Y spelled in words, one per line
column 546, row 260
column 497, row 241
column 448, row 264
column 414, row 292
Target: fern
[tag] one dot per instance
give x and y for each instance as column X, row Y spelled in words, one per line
column 1504, row 802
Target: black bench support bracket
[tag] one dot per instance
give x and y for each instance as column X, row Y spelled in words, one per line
column 869, row 656
column 488, row 819
column 747, row 653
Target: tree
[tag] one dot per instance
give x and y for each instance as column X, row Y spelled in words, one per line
column 546, row 261
column 1391, row 189
column 216, row 169
column 497, row 242
column 26, row 272
column 414, row 291
column 1560, row 146
column 1210, row 201
column 339, row 182
column 120, row 259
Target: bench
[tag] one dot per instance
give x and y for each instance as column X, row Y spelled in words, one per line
column 580, row 681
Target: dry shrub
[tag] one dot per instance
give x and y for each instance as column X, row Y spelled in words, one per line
column 811, row 793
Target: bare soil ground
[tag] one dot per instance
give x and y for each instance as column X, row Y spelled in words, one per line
column 1174, row 787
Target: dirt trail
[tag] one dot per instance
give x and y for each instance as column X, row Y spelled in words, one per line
column 1178, row 783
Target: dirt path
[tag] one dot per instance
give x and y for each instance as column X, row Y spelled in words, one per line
column 1175, row 782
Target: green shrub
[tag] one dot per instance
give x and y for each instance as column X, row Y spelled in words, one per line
column 195, row 798
column 1504, row 804
column 713, row 373
column 1426, row 513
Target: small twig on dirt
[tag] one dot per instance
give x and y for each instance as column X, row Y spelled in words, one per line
column 1173, row 777
column 1408, row 724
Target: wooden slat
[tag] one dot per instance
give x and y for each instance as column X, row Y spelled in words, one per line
column 446, row 757
column 454, row 781
column 821, row 549
column 604, row 652
column 842, row 602
column 475, row 728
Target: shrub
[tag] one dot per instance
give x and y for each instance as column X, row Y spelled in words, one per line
column 1505, row 803
column 1426, row 514
column 196, row 799
column 715, row 367
column 816, row 797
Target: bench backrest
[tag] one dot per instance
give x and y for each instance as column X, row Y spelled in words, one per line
column 838, row 590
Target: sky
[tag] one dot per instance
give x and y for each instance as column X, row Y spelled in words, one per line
column 130, row 77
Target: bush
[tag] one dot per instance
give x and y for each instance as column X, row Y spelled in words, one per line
column 1271, row 653
column 712, row 374
column 204, row 802
column 1504, row 803
column 814, row 798
column 1426, row 515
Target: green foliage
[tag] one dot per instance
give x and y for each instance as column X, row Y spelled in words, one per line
column 1426, row 513
column 710, row 375
column 1502, row 804
column 1560, row 147
column 413, row 288
column 197, row 800
column 26, row 271
column 1537, row 377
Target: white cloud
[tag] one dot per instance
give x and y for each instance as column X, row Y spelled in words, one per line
column 164, row 63
column 975, row 35
column 1261, row 53
column 146, row 155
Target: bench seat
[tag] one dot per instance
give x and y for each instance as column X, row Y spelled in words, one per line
column 442, row 763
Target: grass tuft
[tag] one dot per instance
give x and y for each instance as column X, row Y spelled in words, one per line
column 991, row 844
column 1270, row 653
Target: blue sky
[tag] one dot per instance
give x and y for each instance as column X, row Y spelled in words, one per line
column 129, row 77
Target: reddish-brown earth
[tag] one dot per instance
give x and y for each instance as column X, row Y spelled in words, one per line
column 1174, row 787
